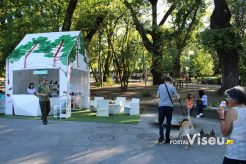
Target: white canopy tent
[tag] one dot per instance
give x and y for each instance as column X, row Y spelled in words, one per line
column 60, row 57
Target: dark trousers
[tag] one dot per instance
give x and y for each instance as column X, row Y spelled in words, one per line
column 165, row 111
column 45, row 109
column 232, row 161
column 199, row 109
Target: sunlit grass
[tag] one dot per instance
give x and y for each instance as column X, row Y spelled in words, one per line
column 86, row 116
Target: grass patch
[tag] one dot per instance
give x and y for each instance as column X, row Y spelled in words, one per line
column 2, row 115
column 86, row 116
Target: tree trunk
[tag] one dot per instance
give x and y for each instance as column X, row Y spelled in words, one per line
column 125, row 77
column 68, row 18
column 176, row 65
column 94, row 74
column 229, row 59
column 156, row 69
column 106, row 70
column 230, row 69
column 108, row 59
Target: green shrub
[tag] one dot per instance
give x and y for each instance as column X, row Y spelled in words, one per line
column 109, row 82
column 146, row 94
column 97, row 84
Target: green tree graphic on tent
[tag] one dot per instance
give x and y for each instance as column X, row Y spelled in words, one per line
column 22, row 50
column 82, row 49
column 63, row 44
column 68, row 48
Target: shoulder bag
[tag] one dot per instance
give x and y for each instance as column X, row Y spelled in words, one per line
column 168, row 93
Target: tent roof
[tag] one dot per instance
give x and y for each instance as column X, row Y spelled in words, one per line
column 44, row 50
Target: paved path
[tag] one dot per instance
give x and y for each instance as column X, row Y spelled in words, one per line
column 30, row 142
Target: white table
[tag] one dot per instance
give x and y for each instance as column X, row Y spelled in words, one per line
column 113, row 107
column 28, row 105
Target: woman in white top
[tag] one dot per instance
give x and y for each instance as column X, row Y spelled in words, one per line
column 31, row 90
column 233, row 125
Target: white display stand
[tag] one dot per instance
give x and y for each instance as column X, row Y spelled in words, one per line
column 60, row 58
column 28, row 105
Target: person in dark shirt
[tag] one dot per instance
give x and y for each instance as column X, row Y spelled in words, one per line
column 44, row 101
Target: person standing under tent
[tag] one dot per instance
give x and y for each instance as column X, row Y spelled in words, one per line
column 44, row 101
column 31, row 90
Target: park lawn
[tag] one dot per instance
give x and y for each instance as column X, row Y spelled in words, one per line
column 85, row 116
column 88, row 116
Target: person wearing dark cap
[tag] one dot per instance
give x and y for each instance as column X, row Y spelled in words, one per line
column 165, row 110
column 44, row 101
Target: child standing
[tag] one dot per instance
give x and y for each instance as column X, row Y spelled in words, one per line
column 189, row 103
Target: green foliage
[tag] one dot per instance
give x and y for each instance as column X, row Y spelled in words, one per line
column 97, row 84
column 87, row 13
column 167, row 62
column 109, row 82
column 18, row 18
column 218, row 39
column 196, row 61
column 146, row 93
column 204, row 63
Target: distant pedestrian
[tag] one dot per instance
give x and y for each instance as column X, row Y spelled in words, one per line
column 232, row 124
column 165, row 110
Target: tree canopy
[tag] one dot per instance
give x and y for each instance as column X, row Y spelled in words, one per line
column 124, row 37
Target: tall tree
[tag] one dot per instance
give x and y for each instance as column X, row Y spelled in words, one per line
column 90, row 15
column 110, row 30
column 69, row 14
column 228, row 53
column 187, row 23
column 89, row 18
column 238, row 10
column 154, row 43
